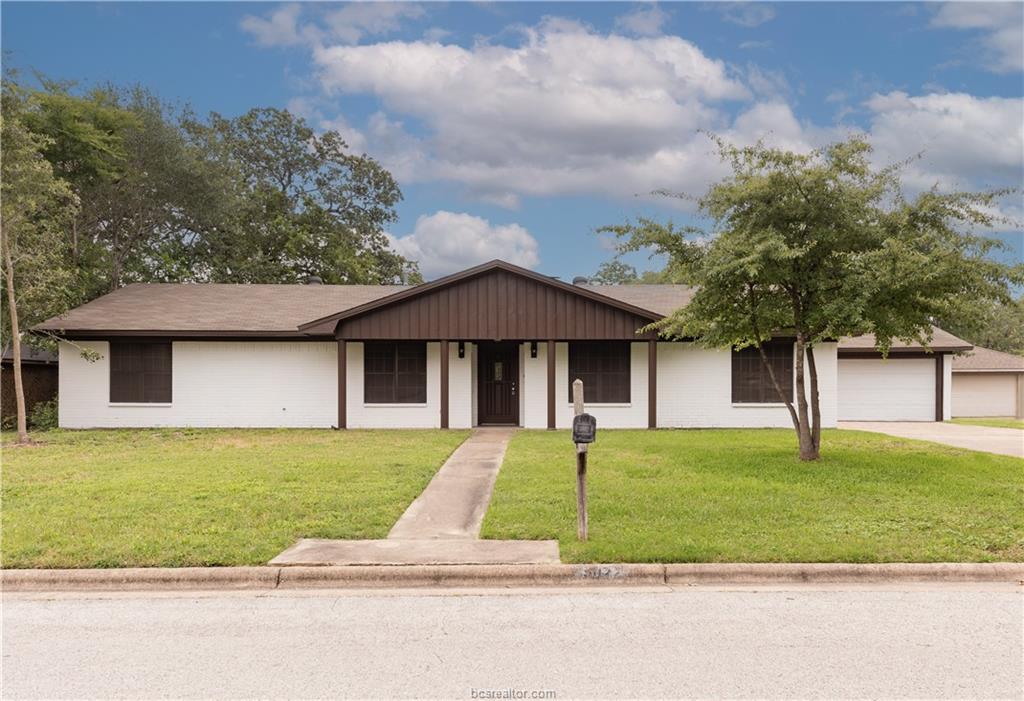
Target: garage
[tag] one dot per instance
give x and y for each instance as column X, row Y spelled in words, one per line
column 988, row 383
column 894, row 389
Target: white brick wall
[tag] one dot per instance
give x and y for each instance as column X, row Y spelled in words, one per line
column 214, row 384
column 363, row 415
column 295, row 384
column 695, row 391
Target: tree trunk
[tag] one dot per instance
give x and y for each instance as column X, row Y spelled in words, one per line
column 808, row 451
column 12, row 310
column 815, row 401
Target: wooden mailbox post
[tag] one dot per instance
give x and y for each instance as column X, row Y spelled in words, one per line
column 584, row 432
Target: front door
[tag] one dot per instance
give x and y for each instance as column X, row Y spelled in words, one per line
column 498, row 375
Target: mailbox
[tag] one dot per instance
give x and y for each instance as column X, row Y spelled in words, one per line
column 584, row 428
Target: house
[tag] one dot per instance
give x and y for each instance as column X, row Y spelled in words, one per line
column 38, row 377
column 494, row 344
column 987, row 382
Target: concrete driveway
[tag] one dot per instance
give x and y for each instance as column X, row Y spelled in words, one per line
column 1005, row 441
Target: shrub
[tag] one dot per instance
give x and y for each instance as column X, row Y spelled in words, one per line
column 44, row 416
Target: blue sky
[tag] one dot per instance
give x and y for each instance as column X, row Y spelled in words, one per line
column 517, row 129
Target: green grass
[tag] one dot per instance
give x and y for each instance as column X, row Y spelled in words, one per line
column 205, row 497
column 743, row 496
column 992, row 422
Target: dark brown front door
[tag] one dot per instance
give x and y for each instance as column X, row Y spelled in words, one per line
column 498, row 377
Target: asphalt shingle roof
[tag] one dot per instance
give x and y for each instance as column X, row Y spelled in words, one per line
column 985, row 359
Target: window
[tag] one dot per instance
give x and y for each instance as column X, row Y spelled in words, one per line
column 395, row 373
column 140, row 373
column 750, row 381
column 604, row 369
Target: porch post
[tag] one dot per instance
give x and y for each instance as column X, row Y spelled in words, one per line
column 342, row 377
column 652, row 383
column 551, row 384
column 940, row 377
column 444, row 384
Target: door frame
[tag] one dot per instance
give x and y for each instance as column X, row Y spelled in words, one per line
column 483, row 356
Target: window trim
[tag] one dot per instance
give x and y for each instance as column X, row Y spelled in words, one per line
column 140, row 402
column 627, row 374
column 393, row 401
column 775, row 401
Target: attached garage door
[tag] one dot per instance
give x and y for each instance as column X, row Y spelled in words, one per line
column 887, row 390
column 984, row 394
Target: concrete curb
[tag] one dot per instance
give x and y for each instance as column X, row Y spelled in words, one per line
column 397, row 576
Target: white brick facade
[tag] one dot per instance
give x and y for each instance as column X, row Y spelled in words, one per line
column 294, row 384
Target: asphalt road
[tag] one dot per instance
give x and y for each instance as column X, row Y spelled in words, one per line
column 923, row 642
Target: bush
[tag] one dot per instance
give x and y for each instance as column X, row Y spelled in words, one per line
column 44, row 416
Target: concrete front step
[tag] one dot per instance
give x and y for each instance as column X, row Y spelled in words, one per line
column 433, row 551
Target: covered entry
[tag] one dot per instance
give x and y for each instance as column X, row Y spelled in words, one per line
column 495, row 310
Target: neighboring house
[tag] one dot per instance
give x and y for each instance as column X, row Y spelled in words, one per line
column 38, row 376
column 987, row 382
column 494, row 344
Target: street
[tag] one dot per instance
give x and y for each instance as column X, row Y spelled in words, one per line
column 906, row 641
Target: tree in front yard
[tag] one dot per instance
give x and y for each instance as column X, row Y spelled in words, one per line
column 37, row 208
column 821, row 245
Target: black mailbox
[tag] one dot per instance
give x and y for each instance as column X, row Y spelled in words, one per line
column 584, row 428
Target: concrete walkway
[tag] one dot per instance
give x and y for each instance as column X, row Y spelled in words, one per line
column 442, row 525
column 1004, row 441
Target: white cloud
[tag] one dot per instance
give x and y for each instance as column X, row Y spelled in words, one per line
column 966, row 140
column 745, row 14
column 1002, row 27
column 646, row 20
column 280, row 28
column 445, row 242
column 752, row 45
column 567, row 110
column 347, row 24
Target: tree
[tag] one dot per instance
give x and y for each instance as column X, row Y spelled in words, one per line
column 36, row 208
column 817, row 246
column 989, row 324
column 614, row 272
column 307, row 205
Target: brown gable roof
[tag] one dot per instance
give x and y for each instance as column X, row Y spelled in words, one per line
column 212, row 309
column 495, row 268
column 942, row 341
column 988, row 360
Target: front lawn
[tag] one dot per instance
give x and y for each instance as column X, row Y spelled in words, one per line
column 742, row 495
column 992, row 422
column 205, row 497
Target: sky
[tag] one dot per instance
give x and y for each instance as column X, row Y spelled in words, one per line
column 516, row 130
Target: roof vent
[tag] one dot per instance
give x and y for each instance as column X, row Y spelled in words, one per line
column 580, row 280
column 314, row 280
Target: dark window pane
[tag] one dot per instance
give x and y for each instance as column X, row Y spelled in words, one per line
column 604, row 369
column 140, row 372
column 751, row 383
column 395, row 373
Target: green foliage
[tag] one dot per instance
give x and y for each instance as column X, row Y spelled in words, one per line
column 182, row 497
column 44, row 416
column 821, row 245
column 741, row 496
column 615, row 272
column 990, row 324
column 306, row 205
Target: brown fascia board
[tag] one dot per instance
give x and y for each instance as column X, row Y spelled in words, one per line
column 189, row 335
column 465, row 275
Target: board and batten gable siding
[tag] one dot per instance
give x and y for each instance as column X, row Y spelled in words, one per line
column 215, row 384
column 496, row 305
column 695, row 390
